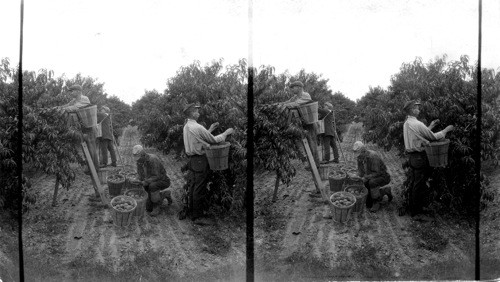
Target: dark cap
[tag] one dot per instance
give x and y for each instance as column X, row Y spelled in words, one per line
column 296, row 83
column 410, row 104
column 75, row 87
column 188, row 107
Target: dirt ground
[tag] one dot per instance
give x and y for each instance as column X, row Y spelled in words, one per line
column 295, row 242
column 77, row 240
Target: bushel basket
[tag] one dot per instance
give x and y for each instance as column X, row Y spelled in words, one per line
column 122, row 209
column 341, row 204
column 337, row 180
column 218, row 156
column 309, row 112
column 140, row 196
column 115, row 184
column 360, row 192
column 88, row 116
column 324, row 171
column 437, row 153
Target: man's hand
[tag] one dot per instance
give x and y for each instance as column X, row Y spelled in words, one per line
column 433, row 123
column 449, row 128
column 213, row 126
column 228, row 131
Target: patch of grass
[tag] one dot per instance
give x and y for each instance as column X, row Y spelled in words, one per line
column 447, row 270
column 211, row 241
column 489, row 267
column 428, row 237
column 370, row 262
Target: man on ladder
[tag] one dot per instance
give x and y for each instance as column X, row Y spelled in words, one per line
column 301, row 97
column 80, row 101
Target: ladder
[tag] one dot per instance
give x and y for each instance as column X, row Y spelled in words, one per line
column 314, row 170
column 98, row 188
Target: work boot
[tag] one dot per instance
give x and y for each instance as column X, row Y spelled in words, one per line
column 113, row 164
column 166, row 194
column 156, row 210
column 386, row 191
column 376, row 206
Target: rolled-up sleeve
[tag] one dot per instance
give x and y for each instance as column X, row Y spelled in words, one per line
column 428, row 134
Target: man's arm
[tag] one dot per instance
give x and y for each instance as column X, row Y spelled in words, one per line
column 206, row 136
column 83, row 102
column 157, row 171
column 303, row 99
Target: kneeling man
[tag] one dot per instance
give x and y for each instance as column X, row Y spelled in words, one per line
column 154, row 179
column 373, row 172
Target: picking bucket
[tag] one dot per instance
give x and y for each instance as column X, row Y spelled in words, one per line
column 360, row 192
column 115, row 184
column 309, row 112
column 437, row 153
column 218, row 156
column 341, row 204
column 320, row 126
column 324, row 171
column 336, row 179
column 122, row 217
column 140, row 196
column 88, row 116
column 98, row 130
column 129, row 179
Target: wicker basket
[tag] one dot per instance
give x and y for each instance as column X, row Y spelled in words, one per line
column 336, row 179
column 141, row 198
column 218, row 156
column 341, row 214
column 437, row 153
column 309, row 112
column 88, row 116
column 115, row 186
column 122, row 218
column 360, row 192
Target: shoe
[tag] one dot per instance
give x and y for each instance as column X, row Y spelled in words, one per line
column 166, row 194
column 375, row 207
column 103, row 165
column 156, row 211
column 202, row 221
column 113, row 164
column 423, row 218
column 389, row 196
column 335, row 161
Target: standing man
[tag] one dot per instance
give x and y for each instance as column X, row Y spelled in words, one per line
column 329, row 139
column 106, row 140
column 196, row 139
column 373, row 172
column 302, row 98
column 154, row 179
column 80, row 101
column 416, row 135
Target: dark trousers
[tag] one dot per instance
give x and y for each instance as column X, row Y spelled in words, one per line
column 329, row 141
column 105, row 146
column 374, row 183
column 197, row 184
column 153, row 188
column 419, row 174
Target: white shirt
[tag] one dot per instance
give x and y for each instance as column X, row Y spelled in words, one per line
column 413, row 133
column 197, row 138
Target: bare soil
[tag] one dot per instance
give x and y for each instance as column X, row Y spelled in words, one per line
column 295, row 242
column 77, row 240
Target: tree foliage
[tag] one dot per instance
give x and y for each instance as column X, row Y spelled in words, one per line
column 447, row 91
column 50, row 144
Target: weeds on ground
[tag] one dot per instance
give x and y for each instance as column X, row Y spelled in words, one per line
column 428, row 238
